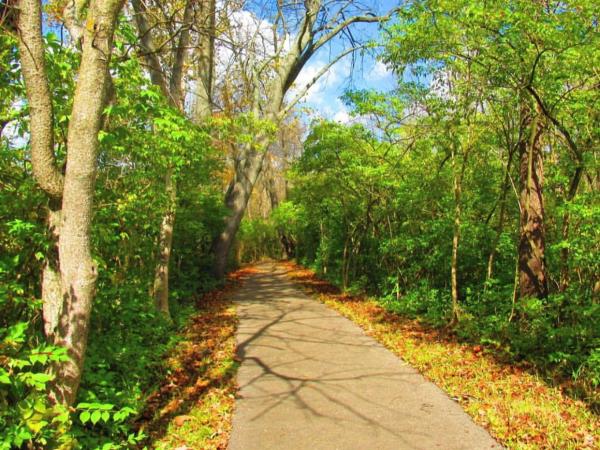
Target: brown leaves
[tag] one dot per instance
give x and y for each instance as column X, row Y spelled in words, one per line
column 514, row 404
column 192, row 408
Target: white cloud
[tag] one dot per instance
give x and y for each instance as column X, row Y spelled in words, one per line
column 342, row 116
column 379, row 72
column 328, row 86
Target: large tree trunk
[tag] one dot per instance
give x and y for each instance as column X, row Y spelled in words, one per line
column 311, row 36
column 161, row 277
column 532, row 265
column 78, row 270
column 236, row 199
column 67, row 320
column 45, row 170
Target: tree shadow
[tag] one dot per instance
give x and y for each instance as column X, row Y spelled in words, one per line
column 285, row 345
column 422, row 333
column 201, row 363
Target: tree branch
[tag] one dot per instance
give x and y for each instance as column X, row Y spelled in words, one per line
column 569, row 140
column 149, row 55
column 316, row 78
column 31, row 49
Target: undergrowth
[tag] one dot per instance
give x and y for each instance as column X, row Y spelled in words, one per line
column 518, row 408
column 192, row 407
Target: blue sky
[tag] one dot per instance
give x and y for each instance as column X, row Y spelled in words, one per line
column 368, row 73
column 324, row 97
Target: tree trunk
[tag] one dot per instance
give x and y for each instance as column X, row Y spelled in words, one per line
column 286, row 242
column 501, row 216
column 66, row 322
column 172, row 87
column 161, row 275
column 532, row 265
column 78, row 270
column 345, row 265
column 51, row 282
column 565, row 278
column 457, row 186
column 39, row 98
column 564, row 254
column 206, row 62
column 236, row 199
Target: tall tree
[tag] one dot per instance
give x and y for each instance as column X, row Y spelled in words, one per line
column 166, row 65
column 533, row 50
column 532, row 236
column 298, row 32
column 67, row 316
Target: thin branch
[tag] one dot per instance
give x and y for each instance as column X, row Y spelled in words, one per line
column 316, row 78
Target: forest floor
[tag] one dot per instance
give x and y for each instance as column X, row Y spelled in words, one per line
column 515, row 405
column 312, row 379
column 192, row 407
column 307, row 368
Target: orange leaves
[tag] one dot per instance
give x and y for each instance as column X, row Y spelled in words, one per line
column 193, row 406
column 515, row 405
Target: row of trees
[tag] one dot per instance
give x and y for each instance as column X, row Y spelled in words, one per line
column 469, row 195
column 134, row 118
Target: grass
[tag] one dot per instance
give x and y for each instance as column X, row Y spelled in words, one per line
column 193, row 406
column 517, row 407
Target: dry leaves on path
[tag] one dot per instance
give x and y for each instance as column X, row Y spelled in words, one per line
column 193, row 406
column 517, row 407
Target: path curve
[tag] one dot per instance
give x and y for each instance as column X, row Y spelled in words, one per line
column 311, row 379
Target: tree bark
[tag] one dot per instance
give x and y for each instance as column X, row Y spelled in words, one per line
column 78, row 270
column 238, row 193
column 67, row 323
column 161, row 277
column 51, row 283
column 45, row 170
column 39, row 99
column 458, row 174
column 206, row 62
column 501, row 215
column 312, row 34
column 172, row 87
column 532, row 265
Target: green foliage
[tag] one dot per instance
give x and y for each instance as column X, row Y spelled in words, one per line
column 25, row 413
column 371, row 216
column 373, row 206
column 257, row 238
column 142, row 139
column 437, row 160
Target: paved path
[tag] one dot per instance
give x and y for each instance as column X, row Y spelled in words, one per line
column 311, row 379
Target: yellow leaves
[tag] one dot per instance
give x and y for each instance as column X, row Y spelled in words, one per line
column 194, row 405
column 516, row 406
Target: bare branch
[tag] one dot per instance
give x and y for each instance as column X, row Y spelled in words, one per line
column 316, row 78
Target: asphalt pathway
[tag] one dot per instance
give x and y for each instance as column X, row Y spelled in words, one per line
column 311, row 379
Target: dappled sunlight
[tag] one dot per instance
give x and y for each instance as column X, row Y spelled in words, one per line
column 193, row 405
column 514, row 404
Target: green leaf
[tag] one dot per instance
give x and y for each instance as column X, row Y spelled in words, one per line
column 36, row 425
column 96, row 415
column 4, row 377
column 84, row 417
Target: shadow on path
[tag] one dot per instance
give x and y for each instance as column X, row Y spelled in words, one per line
column 311, row 379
